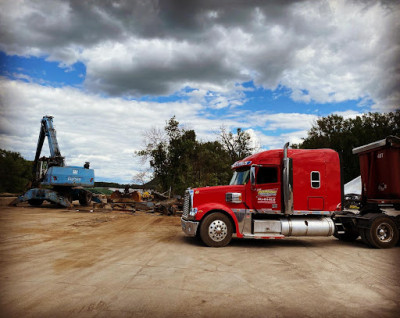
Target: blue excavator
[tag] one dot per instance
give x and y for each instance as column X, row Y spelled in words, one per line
column 53, row 181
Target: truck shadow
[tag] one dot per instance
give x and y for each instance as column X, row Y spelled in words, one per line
column 288, row 243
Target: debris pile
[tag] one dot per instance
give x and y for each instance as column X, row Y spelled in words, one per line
column 150, row 202
column 126, row 196
column 169, row 207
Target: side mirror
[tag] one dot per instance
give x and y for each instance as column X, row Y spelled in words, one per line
column 253, row 176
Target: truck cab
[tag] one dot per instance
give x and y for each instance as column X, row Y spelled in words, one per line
column 272, row 194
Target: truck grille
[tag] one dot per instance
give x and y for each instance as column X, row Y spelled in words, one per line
column 186, row 205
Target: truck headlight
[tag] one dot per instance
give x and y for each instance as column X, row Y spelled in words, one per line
column 233, row 197
column 193, row 212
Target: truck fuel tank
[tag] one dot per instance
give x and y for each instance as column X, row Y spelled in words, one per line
column 293, row 226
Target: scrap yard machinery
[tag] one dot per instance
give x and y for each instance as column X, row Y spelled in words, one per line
column 53, row 181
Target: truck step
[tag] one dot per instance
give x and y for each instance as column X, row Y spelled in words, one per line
column 340, row 232
column 265, row 236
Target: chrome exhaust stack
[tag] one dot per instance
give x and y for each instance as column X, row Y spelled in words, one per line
column 287, row 181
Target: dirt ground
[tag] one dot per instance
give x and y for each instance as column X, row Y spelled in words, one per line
column 68, row 263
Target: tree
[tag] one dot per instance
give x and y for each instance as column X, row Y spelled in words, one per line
column 180, row 161
column 15, row 172
column 238, row 146
column 170, row 155
column 140, row 177
column 343, row 135
column 213, row 165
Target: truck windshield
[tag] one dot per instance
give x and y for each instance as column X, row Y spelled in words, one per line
column 240, row 176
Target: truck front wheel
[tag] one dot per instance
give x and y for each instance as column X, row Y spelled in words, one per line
column 383, row 233
column 216, row 230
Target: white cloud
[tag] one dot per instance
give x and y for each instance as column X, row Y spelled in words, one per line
column 323, row 51
column 315, row 51
column 291, row 121
column 254, row 140
column 108, row 131
column 103, row 131
column 347, row 114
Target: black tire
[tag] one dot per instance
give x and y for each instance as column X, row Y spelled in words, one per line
column 35, row 202
column 383, row 232
column 85, row 197
column 216, row 230
column 364, row 238
column 68, row 196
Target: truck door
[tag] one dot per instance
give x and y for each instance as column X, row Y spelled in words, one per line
column 266, row 193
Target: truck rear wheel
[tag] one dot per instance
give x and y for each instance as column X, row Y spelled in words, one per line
column 216, row 230
column 383, row 233
column 364, row 238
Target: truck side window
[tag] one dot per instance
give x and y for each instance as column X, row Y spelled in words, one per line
column 267, row 175
column 315, row 180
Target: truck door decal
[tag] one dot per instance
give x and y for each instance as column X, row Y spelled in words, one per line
column 267, row 195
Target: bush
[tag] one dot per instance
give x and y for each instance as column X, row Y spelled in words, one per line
column 15, row 172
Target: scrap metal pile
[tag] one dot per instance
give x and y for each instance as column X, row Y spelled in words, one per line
column 132, row 201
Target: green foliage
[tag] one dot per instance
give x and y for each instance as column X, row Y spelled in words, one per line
column 343, row 135
column 212, row 166
column 15, row 172
column 102, row 184
column 100, row 190
column 180, row 161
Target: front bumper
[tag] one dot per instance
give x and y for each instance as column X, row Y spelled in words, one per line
column 189, row 227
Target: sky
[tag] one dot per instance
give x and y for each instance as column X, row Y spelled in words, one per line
column 110, row 71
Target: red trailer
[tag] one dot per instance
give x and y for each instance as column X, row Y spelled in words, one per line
column 380, row 171
column 378, row 222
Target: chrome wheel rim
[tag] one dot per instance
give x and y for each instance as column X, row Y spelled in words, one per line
column 217, row 230
column 384, row 232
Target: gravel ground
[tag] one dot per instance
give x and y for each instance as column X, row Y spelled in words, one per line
column 68, row 263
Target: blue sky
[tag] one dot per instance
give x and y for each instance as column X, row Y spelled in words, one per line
column 109, row 73
column 39, row 70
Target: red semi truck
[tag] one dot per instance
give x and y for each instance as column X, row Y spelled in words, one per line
column 299, row 192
